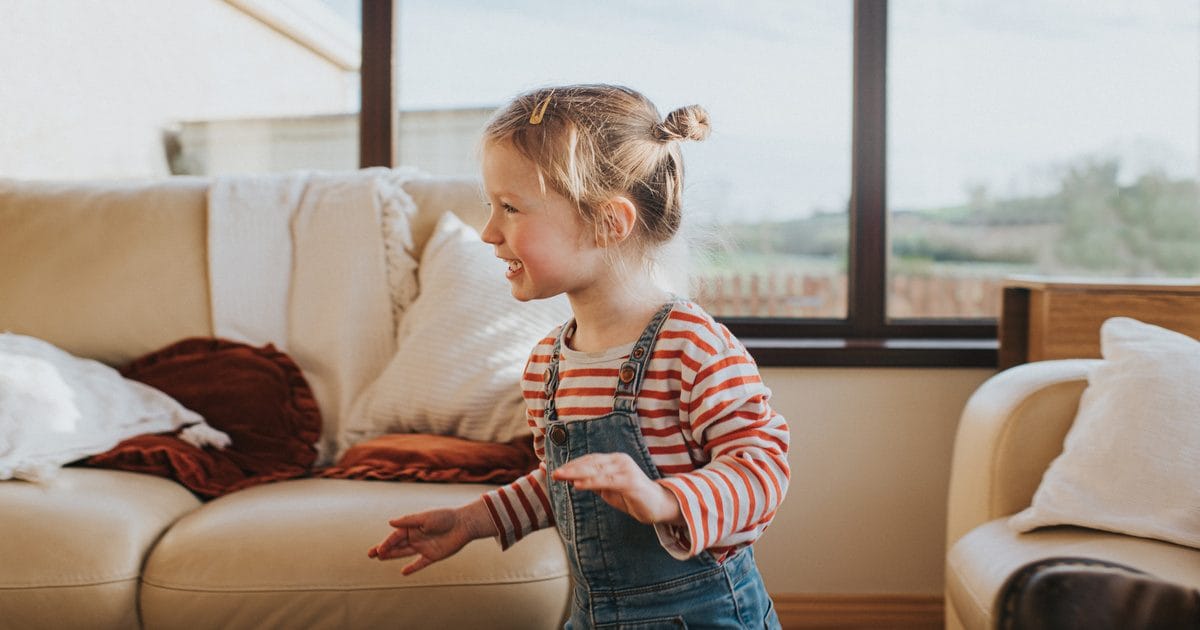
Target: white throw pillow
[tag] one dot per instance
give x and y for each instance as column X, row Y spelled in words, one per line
column 56, row 408
column 1131, row 460
column 461, row 349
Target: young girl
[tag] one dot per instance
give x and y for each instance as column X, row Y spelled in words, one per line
column 661, row 458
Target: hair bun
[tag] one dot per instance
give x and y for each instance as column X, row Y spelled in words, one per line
column 685, row 123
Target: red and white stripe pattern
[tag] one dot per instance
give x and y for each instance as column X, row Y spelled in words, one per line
column 706, row 421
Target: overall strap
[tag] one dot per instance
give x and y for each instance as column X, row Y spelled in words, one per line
column 630, row 375
column 550, row 378
column 633, row 370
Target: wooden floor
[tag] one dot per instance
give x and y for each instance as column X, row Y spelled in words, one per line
column 860, row 611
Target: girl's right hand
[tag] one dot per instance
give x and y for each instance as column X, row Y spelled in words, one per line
column 433, row 535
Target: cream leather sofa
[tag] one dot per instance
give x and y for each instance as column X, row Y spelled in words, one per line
column 1011, row 429
column 89, row 268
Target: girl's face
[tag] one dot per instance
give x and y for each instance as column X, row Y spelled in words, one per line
column 547, row 245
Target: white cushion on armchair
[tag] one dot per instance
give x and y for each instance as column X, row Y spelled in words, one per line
column 1131, row 461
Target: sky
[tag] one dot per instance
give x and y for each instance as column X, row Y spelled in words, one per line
column 1003, row 95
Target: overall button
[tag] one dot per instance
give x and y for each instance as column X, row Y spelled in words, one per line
column 558, row 434
column 639, row 351
column 627, row 373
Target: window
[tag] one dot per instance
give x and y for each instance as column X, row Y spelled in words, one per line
column 777, row 162
column 146, row 89
column 932, row 102
column 1048, row 137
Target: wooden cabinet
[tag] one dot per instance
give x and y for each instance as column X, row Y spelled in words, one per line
column 1045, row 318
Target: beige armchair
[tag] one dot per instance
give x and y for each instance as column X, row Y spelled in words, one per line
column 1010, row 431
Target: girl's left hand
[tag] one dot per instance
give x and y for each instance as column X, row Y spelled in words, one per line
column 622, row 484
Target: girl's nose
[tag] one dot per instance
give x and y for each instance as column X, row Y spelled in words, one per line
column 491, row 234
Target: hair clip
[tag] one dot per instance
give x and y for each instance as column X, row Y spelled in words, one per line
column 540, row 111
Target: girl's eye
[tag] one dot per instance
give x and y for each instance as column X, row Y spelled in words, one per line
column 508, row 209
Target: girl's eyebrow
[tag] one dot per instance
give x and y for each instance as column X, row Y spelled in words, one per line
column 511, row 196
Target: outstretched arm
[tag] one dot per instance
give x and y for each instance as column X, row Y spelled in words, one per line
column 434, row 535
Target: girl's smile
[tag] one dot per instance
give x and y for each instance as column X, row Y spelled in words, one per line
column 515, row 267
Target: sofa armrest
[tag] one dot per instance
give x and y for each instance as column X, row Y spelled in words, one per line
column 1011, row 429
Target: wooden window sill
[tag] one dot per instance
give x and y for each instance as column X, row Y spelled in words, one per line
column 834, row 352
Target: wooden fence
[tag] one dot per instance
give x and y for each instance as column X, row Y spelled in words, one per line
column 795, row 294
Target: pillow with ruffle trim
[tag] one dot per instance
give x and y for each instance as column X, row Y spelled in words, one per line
column 257, row 395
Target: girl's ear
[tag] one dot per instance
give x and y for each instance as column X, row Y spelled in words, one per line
column 619, row 219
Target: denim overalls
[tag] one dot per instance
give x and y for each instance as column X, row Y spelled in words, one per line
column 622, row 575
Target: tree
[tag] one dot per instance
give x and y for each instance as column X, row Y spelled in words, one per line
column 1148, row 228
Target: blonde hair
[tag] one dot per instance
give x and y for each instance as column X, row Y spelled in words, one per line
column 591, row 143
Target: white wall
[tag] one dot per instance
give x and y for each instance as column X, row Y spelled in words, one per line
column 870, row 458
column 86, row 88
column 439, row 142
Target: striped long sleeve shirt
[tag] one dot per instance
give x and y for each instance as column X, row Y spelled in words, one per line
column 706, row 421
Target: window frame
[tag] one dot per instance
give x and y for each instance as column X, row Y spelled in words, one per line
column 866, row 337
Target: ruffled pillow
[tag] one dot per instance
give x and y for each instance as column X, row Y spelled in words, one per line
column 423, row 457
column 257, row 395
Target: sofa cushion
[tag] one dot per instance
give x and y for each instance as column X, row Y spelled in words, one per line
column 1130, row 459
column 978, row 565
column 293, row 554
column 258, row 396
column 73, row 548
column 460, row 351
column 129, row 255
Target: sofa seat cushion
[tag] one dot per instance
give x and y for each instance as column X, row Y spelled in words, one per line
column 293, row 554
column 73, row 547
column 978, row 565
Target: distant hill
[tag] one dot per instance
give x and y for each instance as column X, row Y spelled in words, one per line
column 1092, row 224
